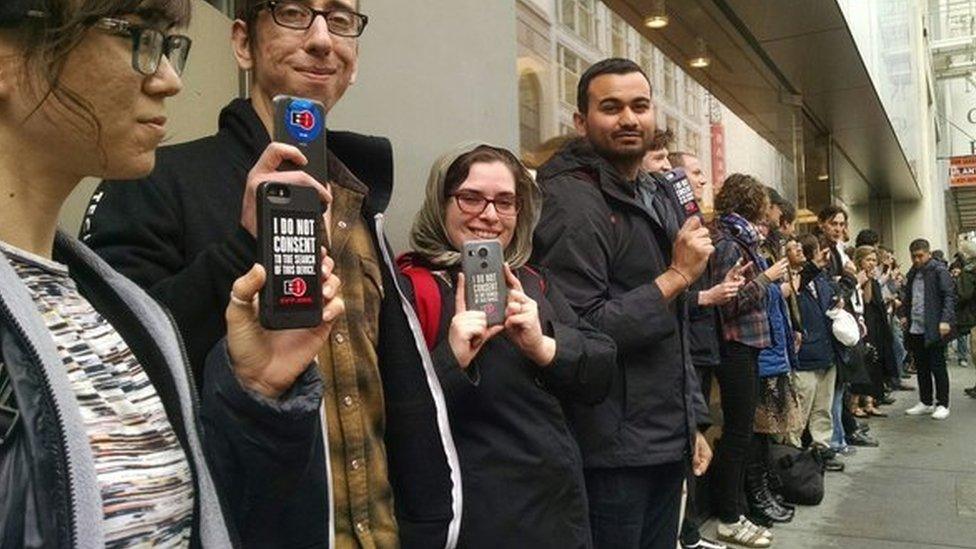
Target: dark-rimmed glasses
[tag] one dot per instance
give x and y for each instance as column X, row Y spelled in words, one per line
column 298, row 16
column 149, row 45
column 473, row 203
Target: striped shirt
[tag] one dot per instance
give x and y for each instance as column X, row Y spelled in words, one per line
column 141, row 468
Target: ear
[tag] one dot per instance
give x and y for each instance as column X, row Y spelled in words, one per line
column 580, row 122
column 241, row 44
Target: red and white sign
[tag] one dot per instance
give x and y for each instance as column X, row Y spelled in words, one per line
column 962, row 171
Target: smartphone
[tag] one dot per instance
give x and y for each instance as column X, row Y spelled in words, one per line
column 301, row 122
column 678, row 179
column 289, row 239
column 484, row 279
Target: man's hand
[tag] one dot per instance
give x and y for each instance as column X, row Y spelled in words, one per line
column 702, row 457
column 266, row 170
column 269, row 361
column 944, row 329
column 777, row 271
column 691, row 250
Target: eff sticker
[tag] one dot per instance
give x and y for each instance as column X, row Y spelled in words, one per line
column 302, row 121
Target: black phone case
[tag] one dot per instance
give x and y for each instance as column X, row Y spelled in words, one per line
column 484, row 280
column 682, row 188
column 289, row 240
column 301, row 122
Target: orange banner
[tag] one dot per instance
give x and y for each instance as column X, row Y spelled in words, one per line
column 962, row 171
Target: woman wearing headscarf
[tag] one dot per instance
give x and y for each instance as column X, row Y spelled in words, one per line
column 506, row 385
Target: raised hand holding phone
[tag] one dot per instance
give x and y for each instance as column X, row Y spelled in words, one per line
column 522, row 324
column 469, row 330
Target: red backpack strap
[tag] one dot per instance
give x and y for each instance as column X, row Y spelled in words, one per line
column 427, row 298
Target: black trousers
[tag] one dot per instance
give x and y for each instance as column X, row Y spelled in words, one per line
column 697, row 486
column 930, row 363
column 635, row 507
column 738, row 381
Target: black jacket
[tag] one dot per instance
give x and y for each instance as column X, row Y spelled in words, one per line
column 703, row 333
column 940, row 299
column 178, row 234
column 48, row 493
column 603, row 250
column 521, row 467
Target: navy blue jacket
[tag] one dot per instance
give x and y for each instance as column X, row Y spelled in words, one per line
column 940, row 299
column 818, row 350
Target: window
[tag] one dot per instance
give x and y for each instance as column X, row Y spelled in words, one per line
column 529, row 107
column 670, row 93
column 580, row 16
column 692, row 97
column 692, row 142
column 618, row 36
column 570, row 69
column 645, row 58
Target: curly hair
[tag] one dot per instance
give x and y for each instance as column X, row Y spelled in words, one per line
column 744, row 195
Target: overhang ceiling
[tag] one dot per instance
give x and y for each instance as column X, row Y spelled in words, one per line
column 769, row 55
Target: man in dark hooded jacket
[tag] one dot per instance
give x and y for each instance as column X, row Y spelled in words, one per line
column 610, row 237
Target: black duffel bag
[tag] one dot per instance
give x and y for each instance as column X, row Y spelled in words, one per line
column 800, row 474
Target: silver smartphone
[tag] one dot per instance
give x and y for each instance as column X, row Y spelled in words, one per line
column 484, row 279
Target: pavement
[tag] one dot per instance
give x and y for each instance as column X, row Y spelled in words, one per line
column 916, row 491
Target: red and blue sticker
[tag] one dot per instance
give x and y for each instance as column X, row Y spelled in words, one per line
column 303, row 121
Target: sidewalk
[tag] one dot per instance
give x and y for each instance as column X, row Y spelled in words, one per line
column 917, row 490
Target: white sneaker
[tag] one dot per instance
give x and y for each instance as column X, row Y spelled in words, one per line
column 941, row 412
column 921, row 409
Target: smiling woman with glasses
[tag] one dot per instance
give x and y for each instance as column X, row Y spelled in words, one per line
column 505, row 385
column 100, row 422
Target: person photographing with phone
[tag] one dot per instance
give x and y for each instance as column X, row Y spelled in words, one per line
column 506, row 380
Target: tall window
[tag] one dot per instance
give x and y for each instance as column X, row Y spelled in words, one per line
column 618, row 36
column 670, row 84
column 529, row 107
column 692, row 142
column 645, row 58
column 570, row 69
column 580, row 16
column 692, row 97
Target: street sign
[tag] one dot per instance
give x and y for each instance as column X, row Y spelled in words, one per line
column 962, row 171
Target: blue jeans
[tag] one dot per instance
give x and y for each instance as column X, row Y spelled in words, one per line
column 899, row 346
column 837, row 441
column 962, row 348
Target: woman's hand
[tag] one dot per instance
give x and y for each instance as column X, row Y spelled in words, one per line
column 469, row 330
column 723, row 292
column 522, row 325
column 777, row 270
column 266, row 170
column 269, row 361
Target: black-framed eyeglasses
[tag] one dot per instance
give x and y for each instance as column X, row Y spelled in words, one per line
column 299, row 16
column 149, row 45
column 473, row 203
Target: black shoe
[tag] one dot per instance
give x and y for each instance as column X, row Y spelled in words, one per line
column 761, row 502
column 834, row 465
column 886, row 400
column 704, row 543
column 863, row 428
column 862, row 439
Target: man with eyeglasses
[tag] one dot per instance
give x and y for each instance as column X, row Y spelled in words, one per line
column 188, row 230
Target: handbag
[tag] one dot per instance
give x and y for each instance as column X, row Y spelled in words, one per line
column 800, row 473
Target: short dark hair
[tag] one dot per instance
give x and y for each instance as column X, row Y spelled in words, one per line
column 829, row 211
column 613, row 65
column 661, row 140
column 789, row 212
column 810, row 244
column 744, row 195
column 919, row 244
column 677, row 158
column 867, row 237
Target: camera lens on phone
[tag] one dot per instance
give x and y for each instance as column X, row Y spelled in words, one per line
column 482, row 252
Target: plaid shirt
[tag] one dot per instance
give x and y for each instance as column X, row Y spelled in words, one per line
column 744, row 318
column 354, row 407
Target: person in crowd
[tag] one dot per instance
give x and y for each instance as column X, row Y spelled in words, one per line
column 703, row 298
column 867, row 237
column 929, row 312
column 657, row 158
column 832, row 225
column 746, row 331
column 966, row 296
column 817, row 359
column 610, row 238
column 102, row 442
column 182, row 232
column 891, row 279
column 880, row 363
column 503, row 391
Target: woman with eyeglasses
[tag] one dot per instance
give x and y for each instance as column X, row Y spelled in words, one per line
column 101, row 430
column 508, row 387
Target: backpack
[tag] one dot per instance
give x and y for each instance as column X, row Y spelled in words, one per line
column 800, row 473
